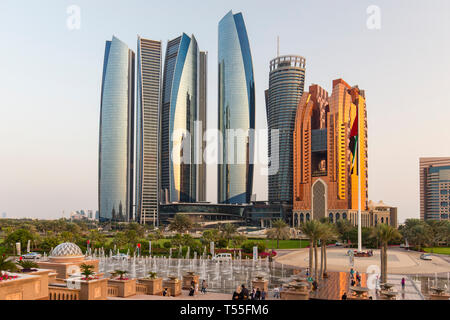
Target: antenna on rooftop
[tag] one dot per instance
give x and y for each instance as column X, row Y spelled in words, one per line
column 278, row 46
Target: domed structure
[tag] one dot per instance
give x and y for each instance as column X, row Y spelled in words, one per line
column 66, row 251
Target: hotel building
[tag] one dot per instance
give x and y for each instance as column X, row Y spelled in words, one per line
column 286, row 84
column 236, row 111
column 325, row 171
column 434, row 188
column 116, row 138
column 147, row 134
column 179, row 115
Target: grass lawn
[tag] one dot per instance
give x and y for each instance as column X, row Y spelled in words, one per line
column 438, row 250
column 285, row 244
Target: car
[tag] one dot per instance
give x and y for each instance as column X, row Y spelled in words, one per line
column 426, row 257
column 339, row 244
column 222, row 257
column 121, row 256
column 31, row 256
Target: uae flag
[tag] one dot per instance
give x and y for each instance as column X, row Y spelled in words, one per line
column 353, row 146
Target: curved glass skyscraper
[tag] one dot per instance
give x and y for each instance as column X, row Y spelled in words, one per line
column 178, row 114
column 236, row 111
column 116, row 133
column 286, row 85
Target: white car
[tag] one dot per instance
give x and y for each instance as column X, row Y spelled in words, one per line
column 31, row 256
column 339, row 244
column 121, row 256
column 426, row 257
column 222, row 257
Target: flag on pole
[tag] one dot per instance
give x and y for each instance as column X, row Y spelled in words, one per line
column 353, row 145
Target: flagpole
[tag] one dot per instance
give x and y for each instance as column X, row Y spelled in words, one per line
column 359, row 185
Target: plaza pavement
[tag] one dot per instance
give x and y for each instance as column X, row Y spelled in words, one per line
column 184, row 296
column 400, row 261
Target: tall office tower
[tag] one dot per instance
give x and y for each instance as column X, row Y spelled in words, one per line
column 286, row 84
column 434, row 188
column 116, row 145
column 178, row 114
column 236, row 111
column 147, row 137
column 202, row 116
column 325, row 158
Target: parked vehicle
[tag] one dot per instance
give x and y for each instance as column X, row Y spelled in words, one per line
column 121, row 256
column 31, row 256
column 426, row 257
column 339, row 244
column 222, row 257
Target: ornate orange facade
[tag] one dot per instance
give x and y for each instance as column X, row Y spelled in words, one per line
column 324, row 183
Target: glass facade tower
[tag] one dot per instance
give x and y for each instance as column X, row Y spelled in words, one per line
column 236, row 111
column 179, row 111
column 116, row 143
column 286, row 85
column 147, row 122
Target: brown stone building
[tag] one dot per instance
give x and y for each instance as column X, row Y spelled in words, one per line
column 325, row 171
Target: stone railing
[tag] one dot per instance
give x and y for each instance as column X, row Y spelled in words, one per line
column 113, row 291
column 141, row 289
column 63, row 294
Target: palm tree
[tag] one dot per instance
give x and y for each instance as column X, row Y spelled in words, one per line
column 312, row 229
column 384, row 233
column 120, row 273
column 327, row 234
column 6, row 264
column 228, row 230
column 279, row 231
column 87, row 270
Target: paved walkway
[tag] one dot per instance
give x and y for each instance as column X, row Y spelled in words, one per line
column 399, row 261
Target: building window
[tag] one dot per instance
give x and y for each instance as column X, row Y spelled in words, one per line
column 302, row 218
column 338, row 216
column 344, row 216
column 331, row 217
column 307, row 217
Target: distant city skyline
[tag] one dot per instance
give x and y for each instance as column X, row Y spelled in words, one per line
column 54, row 167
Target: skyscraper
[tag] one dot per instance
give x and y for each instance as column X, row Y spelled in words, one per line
column 179, row 111
column 147, row 137
column 202, row 116
column 116, row 143
column 434, row 188
column 325, row 162
column 286, row 84
column 236, row 111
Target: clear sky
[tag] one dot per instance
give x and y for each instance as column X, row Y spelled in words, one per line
column 50, row 80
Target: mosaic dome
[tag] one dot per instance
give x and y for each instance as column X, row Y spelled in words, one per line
column 67, row 249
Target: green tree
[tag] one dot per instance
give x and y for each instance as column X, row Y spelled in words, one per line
column 279, row 231
column 327, row 234
column 238, row 240
column 6, row 264
column 227, row 232
column 180, row 223
column 343, row 229
column 312, row 229
column 385, row 234
column 417, row 232
column 20, row 235
column 211, row 235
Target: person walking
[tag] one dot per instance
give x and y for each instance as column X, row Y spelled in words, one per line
column 276, row 293
column 263, row 294
column 204, row 286
column 258, row 294
column 236, row 294
column 243, row 295
column 252, row 294
column 403, row 283
column 344, row 296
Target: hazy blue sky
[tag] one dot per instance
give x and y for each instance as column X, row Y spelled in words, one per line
column 50, row 84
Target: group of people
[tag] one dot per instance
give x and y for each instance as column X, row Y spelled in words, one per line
column 355, row 278
column 243, row 293
column 194, row 288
